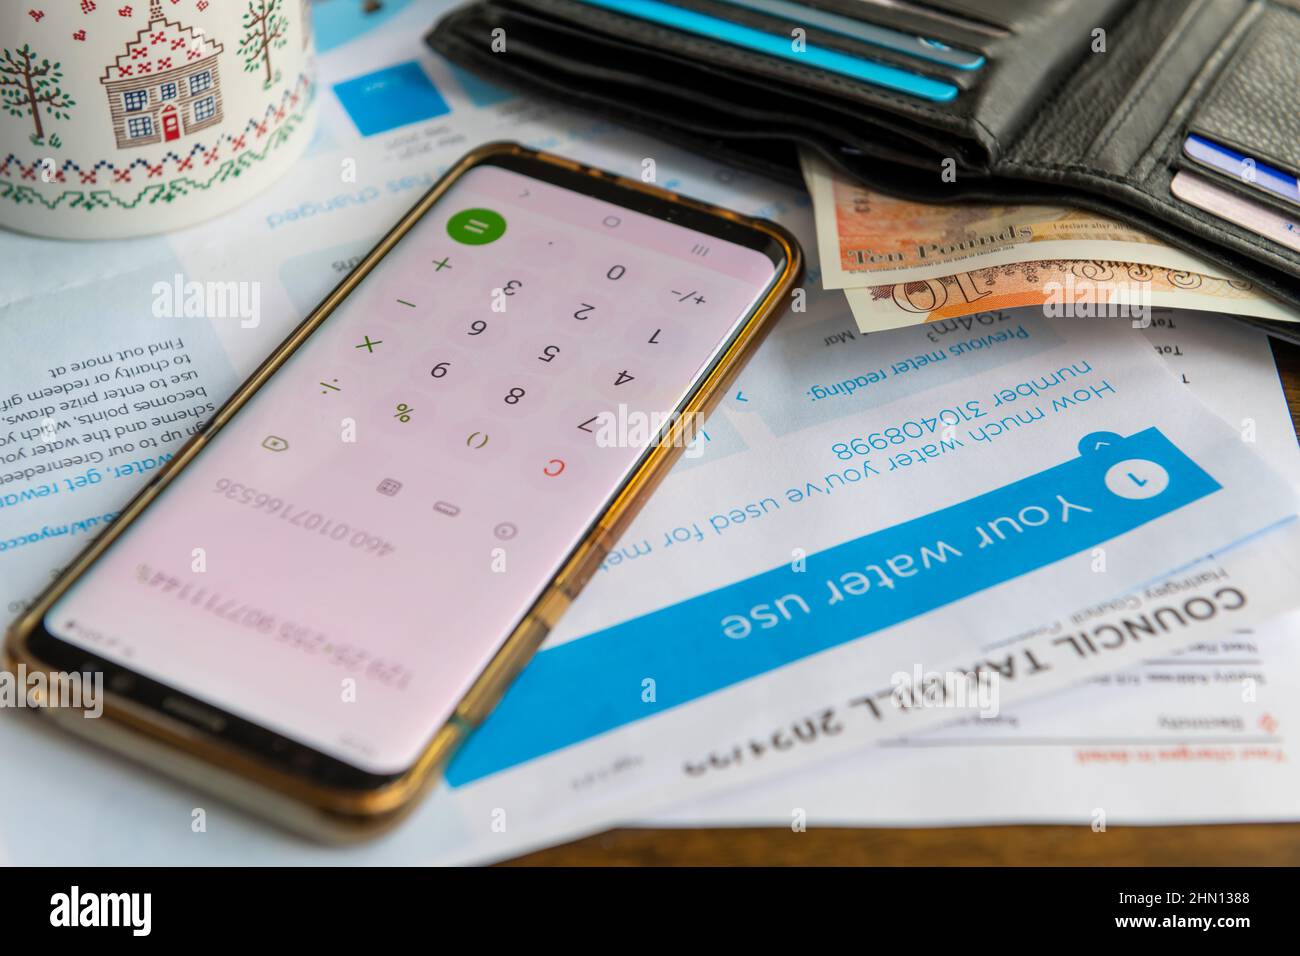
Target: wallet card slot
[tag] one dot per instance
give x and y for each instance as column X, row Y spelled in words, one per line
column 1004, row 14
column 1236, row 184
column 765, row 49
column 817, row 37
column 1242, row 246
column 982, row 21
column 1253, row 106
column 1255, row 179
column 912, row 18
column 918, row 50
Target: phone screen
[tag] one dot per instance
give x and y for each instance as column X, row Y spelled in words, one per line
column 348, row 552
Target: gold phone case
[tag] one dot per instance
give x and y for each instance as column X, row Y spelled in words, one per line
column 185, row 751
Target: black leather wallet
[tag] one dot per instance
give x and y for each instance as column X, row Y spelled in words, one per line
column 1078, row 102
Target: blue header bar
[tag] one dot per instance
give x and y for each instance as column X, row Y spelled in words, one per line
column 695, row 647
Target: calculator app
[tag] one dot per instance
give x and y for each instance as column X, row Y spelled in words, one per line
column 347, row 554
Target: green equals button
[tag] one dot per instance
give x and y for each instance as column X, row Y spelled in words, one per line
column 476, row 227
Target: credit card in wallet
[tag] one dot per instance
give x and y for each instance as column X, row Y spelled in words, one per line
column 952, row 19
column 1245, row 212
column 779, row 46
column 908, row 44
column 1245, row 169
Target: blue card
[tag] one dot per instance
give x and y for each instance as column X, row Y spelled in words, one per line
column 779, row 45
column 1245, row 169
column 908, row 44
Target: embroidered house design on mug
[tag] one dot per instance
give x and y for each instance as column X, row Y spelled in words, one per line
column 165, row 84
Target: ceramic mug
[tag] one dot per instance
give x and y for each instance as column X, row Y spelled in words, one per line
column 125, row 117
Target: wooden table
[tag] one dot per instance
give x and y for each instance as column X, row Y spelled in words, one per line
column 1239, row 845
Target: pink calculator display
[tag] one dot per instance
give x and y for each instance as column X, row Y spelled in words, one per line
column 347, row 554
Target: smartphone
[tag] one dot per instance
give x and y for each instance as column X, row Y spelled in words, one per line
column 333, row 583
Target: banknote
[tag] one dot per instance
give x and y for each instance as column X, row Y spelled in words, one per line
column 866, row 238
column 1062, row 288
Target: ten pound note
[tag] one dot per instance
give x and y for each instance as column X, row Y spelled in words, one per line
column 901, row 263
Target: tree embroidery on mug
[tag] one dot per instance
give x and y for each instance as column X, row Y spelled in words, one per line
column 265, row 29
column 29, row 86
column 165, row 84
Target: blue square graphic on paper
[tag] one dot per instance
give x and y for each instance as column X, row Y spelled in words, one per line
column 392, row 97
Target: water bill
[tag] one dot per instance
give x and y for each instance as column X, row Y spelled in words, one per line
column 1225, row 756
column 866, row 238
column 1061, row 288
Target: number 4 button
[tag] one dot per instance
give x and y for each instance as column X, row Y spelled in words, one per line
column 623, row 378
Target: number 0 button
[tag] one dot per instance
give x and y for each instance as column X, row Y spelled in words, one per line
column 476, row 227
